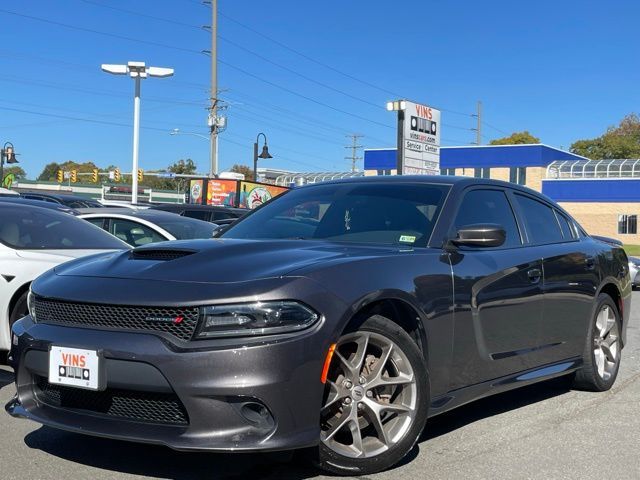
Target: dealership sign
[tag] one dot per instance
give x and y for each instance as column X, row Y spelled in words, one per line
column 418, row 138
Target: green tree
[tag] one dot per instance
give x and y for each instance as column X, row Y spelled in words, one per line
column 243, row 169
column 49, row 172
column 185, row 167
column 17, row 171
column 516, row 138
column 621, row 141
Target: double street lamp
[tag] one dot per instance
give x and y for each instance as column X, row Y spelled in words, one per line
column 137, row 71
column 265, row 154
column 7, row 154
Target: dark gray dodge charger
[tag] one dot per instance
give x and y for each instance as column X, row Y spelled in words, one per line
column 336, row 319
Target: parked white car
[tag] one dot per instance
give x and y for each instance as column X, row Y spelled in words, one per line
column 140, row 227
column 32, row 241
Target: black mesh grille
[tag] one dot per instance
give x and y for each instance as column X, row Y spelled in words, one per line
column 148, row 407
column 159, row 254
column 179, row 322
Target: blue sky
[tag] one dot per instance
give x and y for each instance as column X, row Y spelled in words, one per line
column 563, row 70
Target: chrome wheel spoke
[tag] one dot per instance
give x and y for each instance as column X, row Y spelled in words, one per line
column 344, row 420
column 356, row 436
column 600, row 361
column 354, row 366
column 375, row 418
column 380, row 381
column 333, row 396
column 606, row 350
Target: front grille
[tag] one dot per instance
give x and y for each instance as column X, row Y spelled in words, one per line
column 147, row 407
column 178, row 322
column 160, row 254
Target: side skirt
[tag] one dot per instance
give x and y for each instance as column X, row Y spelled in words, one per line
column 462, row 396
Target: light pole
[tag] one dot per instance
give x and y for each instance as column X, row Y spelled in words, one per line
column 137, row 71
column 7, row 153
column 265, row 154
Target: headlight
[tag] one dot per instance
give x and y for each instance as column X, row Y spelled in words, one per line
column 260, row 318
column 31, row 304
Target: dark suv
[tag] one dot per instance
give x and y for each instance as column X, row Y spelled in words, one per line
column 208, row 213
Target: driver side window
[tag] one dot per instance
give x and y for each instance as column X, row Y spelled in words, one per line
column 489, row 206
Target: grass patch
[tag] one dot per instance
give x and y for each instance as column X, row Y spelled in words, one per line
column 632, row 250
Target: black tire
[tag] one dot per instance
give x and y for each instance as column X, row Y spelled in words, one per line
column 336, row 463
column 19, row 310
column 588, row 378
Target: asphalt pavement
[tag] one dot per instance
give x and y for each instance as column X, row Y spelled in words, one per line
column 545, row 431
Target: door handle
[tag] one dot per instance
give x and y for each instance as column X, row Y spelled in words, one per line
column 534, row 275
column 590, row 262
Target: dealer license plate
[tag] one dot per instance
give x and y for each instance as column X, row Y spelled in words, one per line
column 74, row 367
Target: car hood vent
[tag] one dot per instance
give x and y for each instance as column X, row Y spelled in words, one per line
column 164, row 254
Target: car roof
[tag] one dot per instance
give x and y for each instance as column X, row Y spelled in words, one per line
column 37, row 203
column 192, row 206
column 108, row 211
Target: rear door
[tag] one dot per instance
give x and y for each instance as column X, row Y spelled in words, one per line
column 570, row 277
column 497, row 295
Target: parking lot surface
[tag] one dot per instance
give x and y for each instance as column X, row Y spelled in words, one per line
column 545, row 431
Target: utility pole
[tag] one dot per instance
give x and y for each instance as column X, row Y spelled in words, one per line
column 213, row 110
column 354, row 150
column 478, row 128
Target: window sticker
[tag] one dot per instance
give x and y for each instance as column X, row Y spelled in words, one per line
column 407, row 238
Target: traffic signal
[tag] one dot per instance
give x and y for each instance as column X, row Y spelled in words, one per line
column 74, row 176
column 116, row 175
column 94, row 176
column 60, row 176
column 140, row 174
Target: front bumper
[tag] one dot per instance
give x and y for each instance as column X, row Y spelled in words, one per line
column 258, row 396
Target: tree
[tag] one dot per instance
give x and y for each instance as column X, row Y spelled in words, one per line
column 185, row 167
column 49, row 172
column 622, row 141
column 516, row 138
column 51, row 169
column 243, row 169
column 17, row 171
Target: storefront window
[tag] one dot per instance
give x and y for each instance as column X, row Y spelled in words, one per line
column 628, row 224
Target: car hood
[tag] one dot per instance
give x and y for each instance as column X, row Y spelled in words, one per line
column 221, row 260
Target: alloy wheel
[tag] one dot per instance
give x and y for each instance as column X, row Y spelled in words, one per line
column 606, row 346
column 371, row 396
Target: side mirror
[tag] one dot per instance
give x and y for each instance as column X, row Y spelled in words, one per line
column 480, row 235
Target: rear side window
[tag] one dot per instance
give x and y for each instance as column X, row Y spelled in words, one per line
column 489, row 206
column 197, row 214
column 539, row 220
column 567, row 231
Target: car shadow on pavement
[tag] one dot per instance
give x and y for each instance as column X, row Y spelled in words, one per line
column 488, row 407
column 161, row 462
column 157, row 461
column 6, row 378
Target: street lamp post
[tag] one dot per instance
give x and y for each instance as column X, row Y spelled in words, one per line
column 7, row 153
column 265, row 154
column 177, row 131
column 137, row 71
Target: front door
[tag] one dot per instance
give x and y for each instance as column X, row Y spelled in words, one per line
column 498, row 298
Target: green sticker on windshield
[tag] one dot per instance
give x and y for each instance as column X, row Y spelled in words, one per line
column 407, row 238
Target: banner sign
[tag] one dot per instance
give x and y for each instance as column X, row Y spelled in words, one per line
column 222, row 192
column 252, row 195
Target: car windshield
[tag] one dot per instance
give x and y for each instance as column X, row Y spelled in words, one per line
column 401, row 213
column 185, row 228
column 42, row 229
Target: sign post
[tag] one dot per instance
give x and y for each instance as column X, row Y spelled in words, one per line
column 418, row 138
